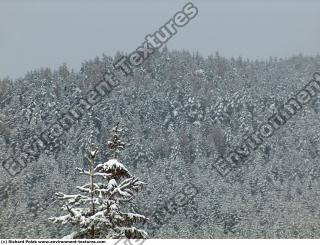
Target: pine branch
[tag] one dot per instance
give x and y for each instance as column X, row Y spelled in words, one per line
column 134, row 233
column 89, row 186
column 72, row 214
column 88, row 190
column 72, row 199
column 82, row 171
column 104, row 175
column 130, row 219
column 62, row 219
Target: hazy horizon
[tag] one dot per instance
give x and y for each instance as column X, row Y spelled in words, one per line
column 37, row 34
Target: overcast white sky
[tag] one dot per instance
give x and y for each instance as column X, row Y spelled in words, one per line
column 47, row 33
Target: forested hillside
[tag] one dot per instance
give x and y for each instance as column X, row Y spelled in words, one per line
column 180, row 112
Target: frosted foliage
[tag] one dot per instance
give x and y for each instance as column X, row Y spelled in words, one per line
column 179, row 120
column 96, row 212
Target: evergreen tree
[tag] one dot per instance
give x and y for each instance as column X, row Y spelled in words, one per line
column 96, row 211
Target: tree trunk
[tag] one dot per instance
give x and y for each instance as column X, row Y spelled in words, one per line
column 92, row 195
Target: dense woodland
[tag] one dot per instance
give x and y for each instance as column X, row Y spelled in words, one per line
column 180, row 112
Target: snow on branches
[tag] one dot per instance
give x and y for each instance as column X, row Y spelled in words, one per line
column 96, row 211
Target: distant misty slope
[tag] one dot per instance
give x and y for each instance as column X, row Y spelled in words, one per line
column 181, row 112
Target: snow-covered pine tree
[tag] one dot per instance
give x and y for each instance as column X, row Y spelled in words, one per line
column 95, row 212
